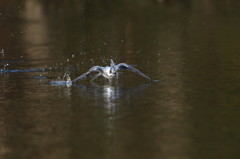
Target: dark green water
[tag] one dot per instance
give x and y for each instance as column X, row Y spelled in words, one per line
column 192, row 46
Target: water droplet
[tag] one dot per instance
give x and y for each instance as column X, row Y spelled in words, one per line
column 2, row 51
column 4, row 66
column 138, row 52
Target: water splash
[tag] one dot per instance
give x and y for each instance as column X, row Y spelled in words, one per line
column 65, row 80
column 66, row 76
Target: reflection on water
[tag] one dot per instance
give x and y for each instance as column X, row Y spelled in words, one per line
column 111, row 93
column 191, row 45
column 114, row 92
column 36, row 37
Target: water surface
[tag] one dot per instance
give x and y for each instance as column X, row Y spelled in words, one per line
column 192, row 47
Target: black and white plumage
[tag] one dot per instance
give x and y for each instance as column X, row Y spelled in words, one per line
column 110, row 71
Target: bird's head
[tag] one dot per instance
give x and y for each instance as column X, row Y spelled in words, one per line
column 112, row 64
column 110, row 72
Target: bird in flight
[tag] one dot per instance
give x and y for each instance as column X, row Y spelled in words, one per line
column 111, row 71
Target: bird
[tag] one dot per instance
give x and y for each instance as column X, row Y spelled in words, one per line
column 110, row 72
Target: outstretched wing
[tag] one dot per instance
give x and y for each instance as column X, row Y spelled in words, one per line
column 85, row 75
column 124, row 66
